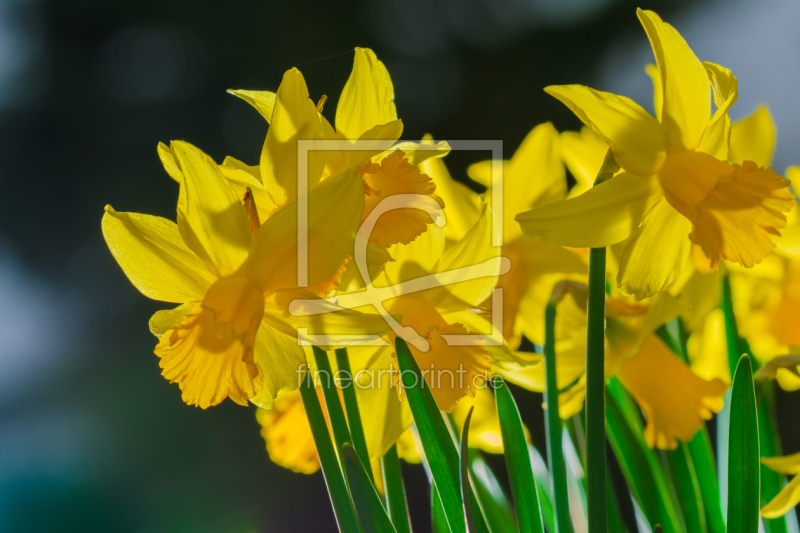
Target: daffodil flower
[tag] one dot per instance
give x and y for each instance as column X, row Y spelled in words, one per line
column 789, row 496
column 675, row 400
column 233, row 336
column 678, row 180
column 533, row 177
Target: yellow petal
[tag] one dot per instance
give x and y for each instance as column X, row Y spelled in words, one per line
column 655, row 255
column 708, row 352
column 607, row 214
column 169, row 162
column 753, row 138
column 484, row 428
column 675, row 401
column 483, row 173
column 571, row 402
column 286, row 431
column 210, row 353
column 418, row 153
column 787, row 464
column 785, row 501
column 282, row 363
column 658, row 89
column 263, row 101
column 716, row 137
column 334, row 213
column 734, row 210
column 242, row 177
column 394, row 176
column 163, row 321
column 153, row 256
column 634, row 136
column 416, row 258
column 583, row 154
column 462, row 203
column 295, row 118
column 407, row 448
column 687, row 101
column 368, row 97
column 211, row 217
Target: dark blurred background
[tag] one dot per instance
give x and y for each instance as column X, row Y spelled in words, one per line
column 92, row 438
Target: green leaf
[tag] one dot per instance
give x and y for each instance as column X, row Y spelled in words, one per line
column 491, row 497
column 703, row 460
column 640, row 465
column 341, row 433
column 396, row 503
column 770, row 446
column 440, row 451
column 595, row 391
column 438, row 519
column 368, row 504
column 743, row 456
column 518, row 461
column 553, row 427
column 352, row 410
column 337, row 489
column 686, row 483
column 544, row 487
column 466, row 490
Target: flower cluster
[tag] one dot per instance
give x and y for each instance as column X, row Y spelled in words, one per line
column 690, row 203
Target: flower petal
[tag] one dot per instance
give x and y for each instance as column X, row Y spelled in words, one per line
column 367, row 99
column 583, row 154
column 282, row 362
column 154, row 257
column 607, row 214
column 635, row 137
column 787, row 464
column 716, row 137
column 687, row 100
column 263, row 101
column 753, row 138
column 286, row 431
column 294, row 118
column 655, row 255
column 165, row 320
column 211, row 217
column 675, row 401
column 785, row 500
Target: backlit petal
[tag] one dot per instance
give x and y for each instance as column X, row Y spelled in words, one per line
column 635, row 137
column 753, row 138
column 368, row 97
column 286, row 431
column 153, row 256
column 785, row 501
column 786, row 464
column 675, row 401
column 687, row 98
column 583, row 154
column 716, row 137
column 282, row 363
column 607, row 214
column 165, row 320
column 263, row 101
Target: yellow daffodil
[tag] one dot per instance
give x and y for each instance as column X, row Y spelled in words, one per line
column 674, row 400
column 533, row 177
column 365, row 112
column 233, row 336
column 678, row 180
column 788, row 498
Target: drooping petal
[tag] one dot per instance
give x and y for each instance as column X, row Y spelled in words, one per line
column 635, row 137
column 675, row 401
column 607, row 214
column 287, row 434
column 154, row 257
column 786, row 500
column 687, row 97
column 334, row 212
column 394, row 176
column 733, row 210
column 211, row 217
column 787, row 464
column 367, row 99
column 583, row 154
column 655, row 255
column 753, row 138
column 263, row 101
column 294, row 118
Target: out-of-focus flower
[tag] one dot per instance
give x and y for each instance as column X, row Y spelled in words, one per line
column 677, row 178
column 789, row 496
column 675, row 400
column 234, row 276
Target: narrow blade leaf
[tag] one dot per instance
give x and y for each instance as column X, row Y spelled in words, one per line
column 396, row 503
column 368, row 504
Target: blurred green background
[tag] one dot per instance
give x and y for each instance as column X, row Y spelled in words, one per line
column 91, row 437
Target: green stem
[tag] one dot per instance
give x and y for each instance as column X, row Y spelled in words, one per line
column 595, row 393
column 353, row 412
column 396, row 504
column 334, row 479
column 335, row 413
column 555, row 451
